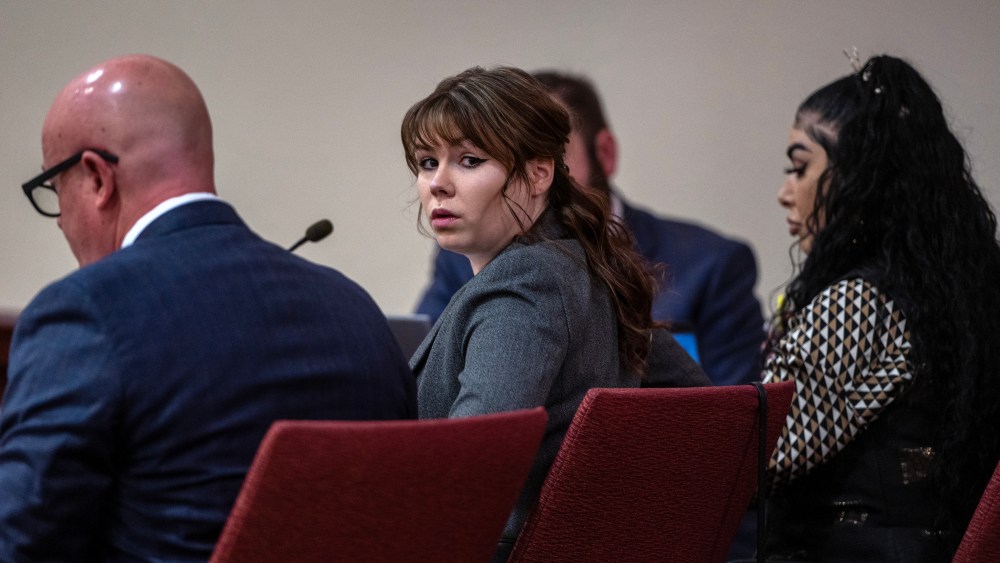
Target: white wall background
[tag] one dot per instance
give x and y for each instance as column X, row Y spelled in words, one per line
column 307, row 97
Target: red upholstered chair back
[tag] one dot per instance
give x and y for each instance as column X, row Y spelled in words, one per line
column 981, row 541
column 7, row 321
column 427, row 490
column 653, row 475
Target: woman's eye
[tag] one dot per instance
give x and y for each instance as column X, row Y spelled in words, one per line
column 472, row 161
column 428, row 163
column 797, row 170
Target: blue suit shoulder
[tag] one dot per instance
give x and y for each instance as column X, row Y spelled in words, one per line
column 671, row 237
column 708, row 290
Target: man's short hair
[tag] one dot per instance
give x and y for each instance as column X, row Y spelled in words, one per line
column 580, row 97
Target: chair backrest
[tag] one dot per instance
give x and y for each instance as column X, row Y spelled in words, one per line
column 409, row 331
column 653, row 475
column 981, row 541
column 7, row 321
column 417, row 490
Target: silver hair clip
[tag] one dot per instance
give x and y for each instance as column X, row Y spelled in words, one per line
column 853, row 58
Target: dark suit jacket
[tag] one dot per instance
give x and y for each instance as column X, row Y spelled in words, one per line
column 141, row 386
column 708, row 289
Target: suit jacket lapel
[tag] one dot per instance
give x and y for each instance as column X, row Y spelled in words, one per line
column 419, row 358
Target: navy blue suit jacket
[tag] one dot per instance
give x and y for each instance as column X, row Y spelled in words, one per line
column 708, row 289
column 140, row 387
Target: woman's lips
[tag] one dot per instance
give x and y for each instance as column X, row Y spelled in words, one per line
column 793, row 227
column 442, row 218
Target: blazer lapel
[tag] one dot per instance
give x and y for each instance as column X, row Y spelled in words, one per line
column 419, row 358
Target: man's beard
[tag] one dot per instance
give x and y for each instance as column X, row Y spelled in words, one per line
column 597, row 180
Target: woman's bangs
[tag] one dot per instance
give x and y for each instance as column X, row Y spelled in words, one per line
column 436, row 124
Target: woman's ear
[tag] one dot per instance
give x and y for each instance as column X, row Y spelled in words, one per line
column 541, row 171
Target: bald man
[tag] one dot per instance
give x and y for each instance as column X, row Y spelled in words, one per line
column 141, row 385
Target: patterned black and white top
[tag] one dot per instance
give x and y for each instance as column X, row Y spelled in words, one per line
column 847, row 353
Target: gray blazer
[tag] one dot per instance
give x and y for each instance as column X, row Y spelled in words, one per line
column 531, row 329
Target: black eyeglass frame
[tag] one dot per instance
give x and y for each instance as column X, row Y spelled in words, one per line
column 40, row 180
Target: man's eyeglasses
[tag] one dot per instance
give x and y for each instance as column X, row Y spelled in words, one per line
column 43, row 195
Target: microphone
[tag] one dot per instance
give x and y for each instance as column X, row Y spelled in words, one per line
column 315, row 233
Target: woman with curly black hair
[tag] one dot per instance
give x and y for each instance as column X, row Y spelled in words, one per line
column 891, row 328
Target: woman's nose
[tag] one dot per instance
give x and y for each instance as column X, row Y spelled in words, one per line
column 785, row 192
column 441, row 183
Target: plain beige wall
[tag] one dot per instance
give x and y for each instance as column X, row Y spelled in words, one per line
column 307, row 97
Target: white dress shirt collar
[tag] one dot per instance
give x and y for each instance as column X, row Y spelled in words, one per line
column 155, row 213
column 617, row 208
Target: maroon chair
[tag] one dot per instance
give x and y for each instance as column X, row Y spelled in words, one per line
column 427, row 490
column 7, row 321
column 653, row 475
column 981, row 541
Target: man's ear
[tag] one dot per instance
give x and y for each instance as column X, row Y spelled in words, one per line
column 606, row 151
column 541, row 172
column 100, row 178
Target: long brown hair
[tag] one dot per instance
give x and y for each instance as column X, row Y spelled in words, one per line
column 507, row 113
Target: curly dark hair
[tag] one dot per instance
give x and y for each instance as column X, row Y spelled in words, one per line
column 509, row 114
column 898, row 203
